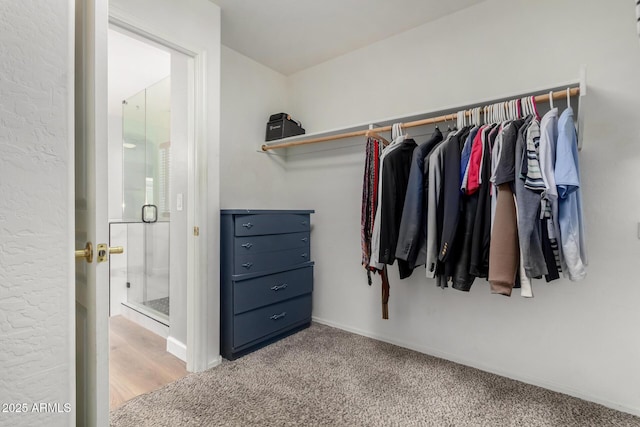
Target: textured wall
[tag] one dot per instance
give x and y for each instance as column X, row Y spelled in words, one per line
column 35, row 228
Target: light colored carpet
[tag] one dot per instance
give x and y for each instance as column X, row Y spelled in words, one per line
column 323, row 376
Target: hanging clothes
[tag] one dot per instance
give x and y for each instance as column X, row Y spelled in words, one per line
column 528, row 189
column 395, row 180
column 465, row 158
column 481, row 238
column 462, row 278
column 370, row 199
column 434, row 195
column 374, row 262
column 411, row 245
column 549, row 207
column 499, row 201
column 504, row 256
column 567, row 178
column 373, row 151
column 452, row 209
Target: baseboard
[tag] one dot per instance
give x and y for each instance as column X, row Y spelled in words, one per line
column 463, row 361
column 145, row 321
column 177, row 348
column 215, row 362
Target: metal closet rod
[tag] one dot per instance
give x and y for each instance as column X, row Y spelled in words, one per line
column 561, row 94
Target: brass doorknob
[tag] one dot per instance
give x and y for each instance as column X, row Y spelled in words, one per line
column 104, row 249
column 86, row 253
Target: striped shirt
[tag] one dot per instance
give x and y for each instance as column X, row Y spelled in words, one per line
column 533, row 179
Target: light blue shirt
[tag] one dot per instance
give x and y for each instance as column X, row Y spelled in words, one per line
column 567, row 177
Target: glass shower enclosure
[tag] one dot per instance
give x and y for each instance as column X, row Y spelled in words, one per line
column 146, row 118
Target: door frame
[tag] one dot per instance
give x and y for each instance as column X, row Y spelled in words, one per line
column 197, row 183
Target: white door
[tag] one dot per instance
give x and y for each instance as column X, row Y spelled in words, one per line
column 92, row 278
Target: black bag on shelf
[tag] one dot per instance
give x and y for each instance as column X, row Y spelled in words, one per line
column 281, row 125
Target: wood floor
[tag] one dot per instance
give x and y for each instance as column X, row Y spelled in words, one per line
column 138, row 361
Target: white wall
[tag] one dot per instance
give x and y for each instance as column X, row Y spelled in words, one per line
column 195, row 24
column 36, row 212
column 579, row 338
column 250, row 93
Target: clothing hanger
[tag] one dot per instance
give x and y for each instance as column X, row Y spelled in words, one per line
column 404, row 135
column 534, row 106
column 376, row 135
column 395, row 133
column 551, row 99
column 525, row 106
column 568, row 98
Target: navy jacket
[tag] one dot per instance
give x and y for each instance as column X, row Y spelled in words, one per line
column 411, row 245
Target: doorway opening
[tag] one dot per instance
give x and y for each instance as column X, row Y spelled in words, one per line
column 148, row 122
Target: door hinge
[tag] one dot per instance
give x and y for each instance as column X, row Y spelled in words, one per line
column 196, row 231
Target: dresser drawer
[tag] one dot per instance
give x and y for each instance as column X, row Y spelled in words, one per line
column 265, row 290
column 252, row 263
column 257, row 225
column 258, row 323
column 269, row 243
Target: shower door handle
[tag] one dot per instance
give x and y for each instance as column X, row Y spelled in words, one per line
column 149, row 213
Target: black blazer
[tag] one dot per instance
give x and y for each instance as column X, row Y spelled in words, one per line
column 451, row 193
column 411, row 237
column 395, row 178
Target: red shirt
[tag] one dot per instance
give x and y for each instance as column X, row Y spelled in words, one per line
column 473, row 177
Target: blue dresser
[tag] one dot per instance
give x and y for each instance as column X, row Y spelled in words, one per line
column 266, row 277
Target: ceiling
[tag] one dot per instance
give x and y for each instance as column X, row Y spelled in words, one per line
column 291, row 35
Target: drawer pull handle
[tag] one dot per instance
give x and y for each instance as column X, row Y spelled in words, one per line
column 247, row 245
column 247, row 225
column 278, row 287
column 247, row 265
column 304, row 223
column 304, row 255
column 305, row 239
column 278, row 316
